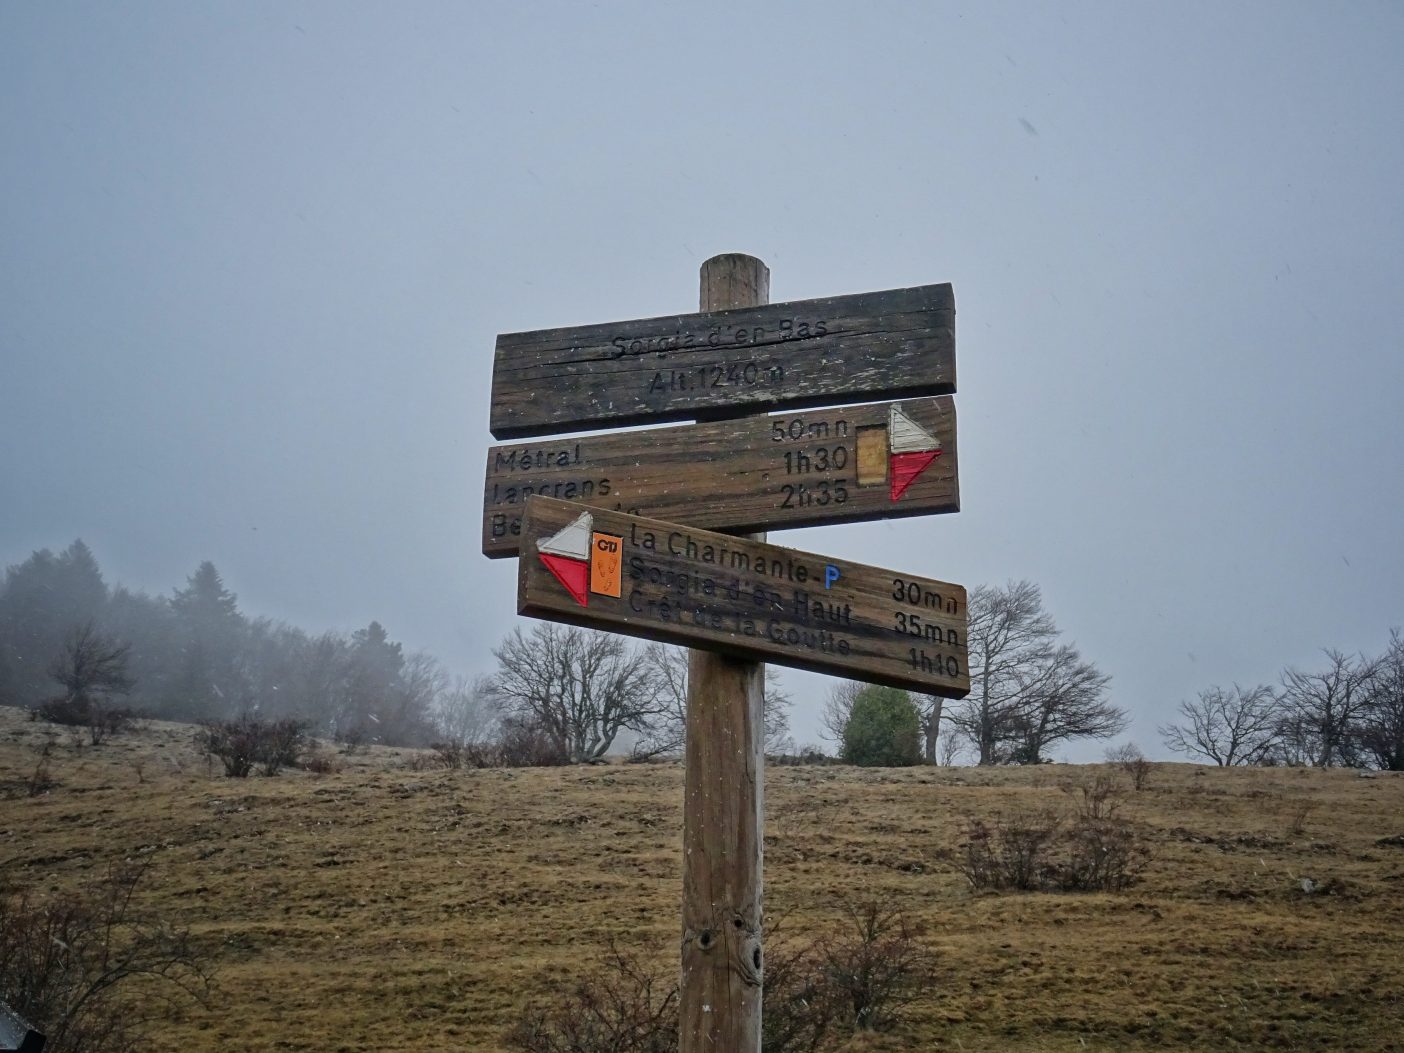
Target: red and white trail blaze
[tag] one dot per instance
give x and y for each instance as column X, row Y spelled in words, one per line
column 566, row 554
column 912, row 449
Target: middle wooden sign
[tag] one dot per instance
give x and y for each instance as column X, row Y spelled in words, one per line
column 846, row 465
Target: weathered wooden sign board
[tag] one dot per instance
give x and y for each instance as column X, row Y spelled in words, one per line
column 659, row 580
column 894, row 344
column 857, row 463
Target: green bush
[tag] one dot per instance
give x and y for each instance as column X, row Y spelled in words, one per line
column 883, row 729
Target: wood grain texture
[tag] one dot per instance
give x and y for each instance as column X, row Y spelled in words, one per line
column 753, row 473
column 749, row 599
column 723, row 847
column 719, row 1002
column 894, row 344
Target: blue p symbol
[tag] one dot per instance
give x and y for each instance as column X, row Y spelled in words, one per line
column 831, row 575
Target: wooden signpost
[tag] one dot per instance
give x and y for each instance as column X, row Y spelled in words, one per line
column 899, row 343
column 846, row 465
column 611, row 531
column 681, row 585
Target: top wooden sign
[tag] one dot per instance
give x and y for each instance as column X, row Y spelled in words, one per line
column 882, row 345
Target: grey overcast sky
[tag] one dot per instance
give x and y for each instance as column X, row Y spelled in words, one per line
column 253, row 258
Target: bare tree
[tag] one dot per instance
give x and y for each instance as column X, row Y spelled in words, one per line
column 1323, row 712
column 408, row 715
column 92, row 667
column 775, row 711
column 1383, row 734
column 1129, row 758
column 668, row 667
column 929, row 710
column 465, row 712
column 1227, row 727
column 952, row 745
column 1027, row 691
column 1009, row 634
column 1063, row 698
column 579, row 686
column 838, row 707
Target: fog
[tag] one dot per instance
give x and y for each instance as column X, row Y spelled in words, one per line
column 255, row 257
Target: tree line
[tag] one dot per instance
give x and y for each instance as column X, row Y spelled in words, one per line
column 571, row 695
column 67, row 638
column 1348, row 711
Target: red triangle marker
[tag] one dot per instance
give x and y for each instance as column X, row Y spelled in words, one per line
column 905, row 467
column 574, row 574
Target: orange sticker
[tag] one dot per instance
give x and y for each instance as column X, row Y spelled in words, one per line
column 606, row 562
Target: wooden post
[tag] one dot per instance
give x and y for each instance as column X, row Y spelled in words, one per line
column 724, row 798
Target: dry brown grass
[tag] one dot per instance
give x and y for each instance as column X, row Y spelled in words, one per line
column 380, row 908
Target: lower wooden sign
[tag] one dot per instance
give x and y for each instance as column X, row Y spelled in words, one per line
column 845, row 465
column 644, row 577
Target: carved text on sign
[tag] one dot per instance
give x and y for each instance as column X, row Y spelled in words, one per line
column 897, row 343
column 691, row 586
column 850, row 464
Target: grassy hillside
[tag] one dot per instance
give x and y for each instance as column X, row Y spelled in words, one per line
column 384, row 908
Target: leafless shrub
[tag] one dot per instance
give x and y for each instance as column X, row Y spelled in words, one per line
column 1096, row 851
column 800, row 1005
column 100, row 719
column 1100, row 796
column 1012, row 852
column 517, row 746
column 876, row 967
column 105, row 721
column 319, row 762
column 68, row 712
column 246, row 741
column 526, row 744
column 1103, row 855
column 42, row 781
column 521, row 746
column 283, row 742
column 625, row 1007
column 70, row 962
column 1296, row 821
column 234, row 742
column 353, row 739
column 423, row 762
column 481, row 755
column 1129, row 758
column 448, row 754
column 806, row 754
column 857, row 978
